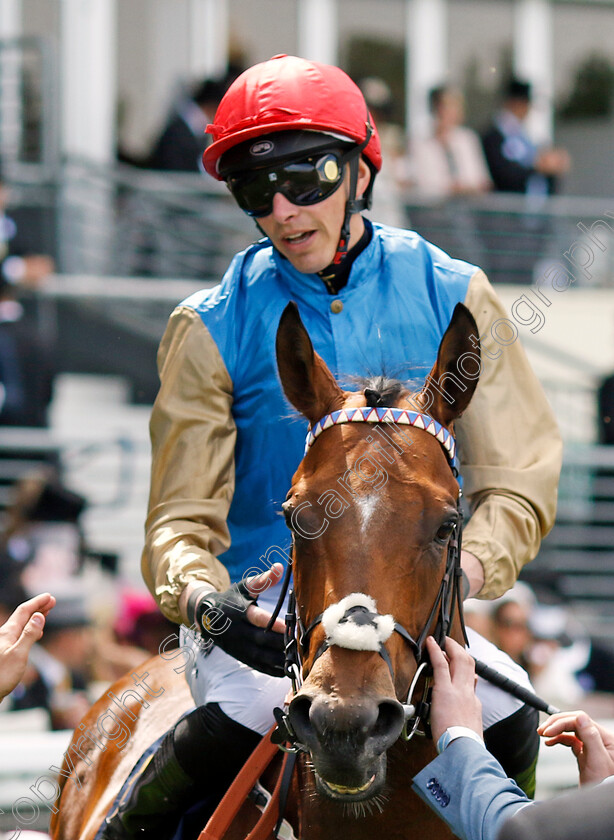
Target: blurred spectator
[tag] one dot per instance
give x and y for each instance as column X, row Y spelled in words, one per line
column 26, row 368
column 450, row 161
column 516, row 163
column 17, row 269
column 137, row 633
column 393, row 177
column 560, row 649
column 43, row 534
column 510, row 623
column 477, row 615
column 180, row 146
column 139, row 622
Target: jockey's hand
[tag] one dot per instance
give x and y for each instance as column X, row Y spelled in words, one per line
column 232, row 621
column 592, row 745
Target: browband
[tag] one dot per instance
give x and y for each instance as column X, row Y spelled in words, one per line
column 399, row 416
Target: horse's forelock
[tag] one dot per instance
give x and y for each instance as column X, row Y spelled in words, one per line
column 382, row 392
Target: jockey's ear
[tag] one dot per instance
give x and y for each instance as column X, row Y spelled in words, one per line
column 451, row 383
column 305, row 378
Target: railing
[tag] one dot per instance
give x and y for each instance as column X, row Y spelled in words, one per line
column 576, row 561
column 517, row 239
column 123, row 221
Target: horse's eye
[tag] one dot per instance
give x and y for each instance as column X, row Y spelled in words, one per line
column 444, row 532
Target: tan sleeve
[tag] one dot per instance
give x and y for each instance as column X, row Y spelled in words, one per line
column 192, row 474
column 510, row 450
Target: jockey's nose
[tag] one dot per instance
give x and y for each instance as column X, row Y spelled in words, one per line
column 283, row 208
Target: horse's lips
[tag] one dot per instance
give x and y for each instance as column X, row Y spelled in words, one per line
column 343, row 790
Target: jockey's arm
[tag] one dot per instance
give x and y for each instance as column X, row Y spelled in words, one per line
column 192, row 476
column 510, row 451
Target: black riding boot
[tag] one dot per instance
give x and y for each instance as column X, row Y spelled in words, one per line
column 199, row 757
column 156, row 800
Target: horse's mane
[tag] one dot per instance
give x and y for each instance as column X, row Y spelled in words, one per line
column 381, row 391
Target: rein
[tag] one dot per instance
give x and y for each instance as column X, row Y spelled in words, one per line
column 448, row 596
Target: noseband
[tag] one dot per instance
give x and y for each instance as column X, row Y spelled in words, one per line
column 359, row 610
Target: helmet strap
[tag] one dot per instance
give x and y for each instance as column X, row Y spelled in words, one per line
column 353, row 204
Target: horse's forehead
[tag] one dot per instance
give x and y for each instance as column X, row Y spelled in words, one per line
column 365, row 457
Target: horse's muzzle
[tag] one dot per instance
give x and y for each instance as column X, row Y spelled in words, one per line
column 347, row 740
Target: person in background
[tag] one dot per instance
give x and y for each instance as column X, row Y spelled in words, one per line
column 26, row 362
column 450, row 162
column 468, row 788
column 516, row 163
column 180, row 146
column 510, row 618
column 393, row 177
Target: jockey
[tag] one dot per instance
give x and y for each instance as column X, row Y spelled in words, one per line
column 299, row 151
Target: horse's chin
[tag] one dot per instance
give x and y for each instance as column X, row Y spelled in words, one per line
column 355, row 787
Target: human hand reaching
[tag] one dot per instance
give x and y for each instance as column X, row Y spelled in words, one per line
column 17, row 635
column 592, row 745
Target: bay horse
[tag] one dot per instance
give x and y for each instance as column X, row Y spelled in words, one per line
column 374, row 514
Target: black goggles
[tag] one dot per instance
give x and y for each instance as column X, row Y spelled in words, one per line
column 303, row 182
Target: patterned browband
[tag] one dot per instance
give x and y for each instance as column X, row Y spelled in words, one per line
column 399, row 416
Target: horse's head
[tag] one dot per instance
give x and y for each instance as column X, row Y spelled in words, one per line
column 372, row 509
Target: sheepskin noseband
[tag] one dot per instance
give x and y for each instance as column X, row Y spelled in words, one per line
column 354, row 623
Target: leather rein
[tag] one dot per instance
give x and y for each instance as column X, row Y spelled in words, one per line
column 449, row 595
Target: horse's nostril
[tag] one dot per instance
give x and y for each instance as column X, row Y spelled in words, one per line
column 390, row 719
column 300, row 721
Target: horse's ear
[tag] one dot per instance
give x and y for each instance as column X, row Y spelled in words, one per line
column 451, row 383
column 305, row 378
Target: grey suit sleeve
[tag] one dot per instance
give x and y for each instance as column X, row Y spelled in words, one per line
column 469, row 790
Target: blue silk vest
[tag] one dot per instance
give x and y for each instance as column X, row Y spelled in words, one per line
column 396, row 306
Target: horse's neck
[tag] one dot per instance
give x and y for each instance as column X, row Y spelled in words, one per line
column 403, row 815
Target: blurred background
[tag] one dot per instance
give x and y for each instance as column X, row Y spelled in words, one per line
column 497, row 119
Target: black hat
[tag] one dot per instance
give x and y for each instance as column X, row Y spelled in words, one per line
column 53, row 503
column 518, row 89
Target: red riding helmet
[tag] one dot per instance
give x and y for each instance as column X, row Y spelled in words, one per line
column 291, row 93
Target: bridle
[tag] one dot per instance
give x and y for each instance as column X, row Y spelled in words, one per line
column 449, row 594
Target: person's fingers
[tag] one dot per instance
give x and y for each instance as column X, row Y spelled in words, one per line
column 559, row 716
column 561, row 722
column 260, row 583
column 33, row 630
column 566, row 740
column 260, row 618
column 439, row 663
column 15, row 624
column 462, row 665
column 588, row 732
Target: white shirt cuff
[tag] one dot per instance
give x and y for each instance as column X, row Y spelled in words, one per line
column 454, row 732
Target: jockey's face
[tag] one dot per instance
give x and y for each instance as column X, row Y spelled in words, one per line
column 308, row 236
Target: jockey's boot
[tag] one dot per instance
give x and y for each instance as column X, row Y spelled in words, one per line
column 197, row 758
column 156, row 801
